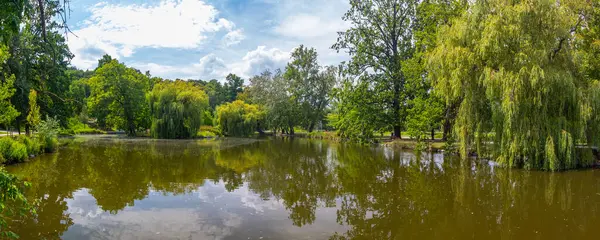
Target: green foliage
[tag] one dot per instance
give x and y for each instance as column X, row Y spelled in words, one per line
column 233, row 86
column 177, row 109
column 33, row 145
column 7, row 111
column 11, row 191
column 512, row 68
column 239, row 118
column 309, row 85
column 208, row 131
column 75, row 126
column 423, row 117
column 33, row 118
column 48, row 134
column 272, row 92
column 12, row 151
column 117, row 97
column 379, row 40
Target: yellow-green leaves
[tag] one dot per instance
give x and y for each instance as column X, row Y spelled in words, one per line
column 177, row 108
column 238, row 118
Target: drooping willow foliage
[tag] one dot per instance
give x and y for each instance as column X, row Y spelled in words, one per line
column 239, row 118
column 177, row 108
column 513, row 66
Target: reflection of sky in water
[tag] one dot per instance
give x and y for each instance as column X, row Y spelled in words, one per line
column 210, row 212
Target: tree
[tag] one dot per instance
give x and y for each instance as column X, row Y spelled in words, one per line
column 378, row 41
column 233, row 86
column 118, row 95
column 33, row 118
column 511, row 67
column 272, row 91
column 309, row 85
column 104, row 60
column 426, row 111
column 7, row 112
column 177, row 109
column 239, row 118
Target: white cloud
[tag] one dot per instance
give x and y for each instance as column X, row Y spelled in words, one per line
column 234, row 37
column 259, row 60
column 309, row 26
column 211, row 66
column 120, row 29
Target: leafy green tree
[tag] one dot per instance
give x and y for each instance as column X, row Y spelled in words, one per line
column 378, row 41
column 239, row 118
column 177, row 109
column 309, row 85
column 233, row 85
column 511, row 66
column 33, row 118
column 426, row 111
column 271, row 90
column 7, row 112
column 118, row 96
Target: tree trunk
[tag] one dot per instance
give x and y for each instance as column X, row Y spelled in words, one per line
column 292, row 131
column 27, row 129
column 432, row 134
column 19, row 127
column 311, row 126
column 397, row 132
column 258, row 129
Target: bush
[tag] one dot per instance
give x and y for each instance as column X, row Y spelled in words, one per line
column 209, row 130
column 12, row 151
column 48, row 134
column 18, row 152
column 34, row 147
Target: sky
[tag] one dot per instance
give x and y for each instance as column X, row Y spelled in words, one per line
column 204, row 39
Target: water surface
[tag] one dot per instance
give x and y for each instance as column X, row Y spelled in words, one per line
column 115, row 188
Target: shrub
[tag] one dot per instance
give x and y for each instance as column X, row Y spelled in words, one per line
column 48, row 134
column 18, row 152
column 12, row 151
column 34, row 147
column 5, row 144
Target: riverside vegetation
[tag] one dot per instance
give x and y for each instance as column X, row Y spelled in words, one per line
column 517, row 82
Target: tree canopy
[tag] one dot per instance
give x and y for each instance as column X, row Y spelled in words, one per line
column 177, row 108
column 512, row 66
column 118, row 95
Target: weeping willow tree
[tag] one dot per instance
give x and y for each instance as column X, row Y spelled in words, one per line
column 513, row 67
column 177, row 109
column 238, row 118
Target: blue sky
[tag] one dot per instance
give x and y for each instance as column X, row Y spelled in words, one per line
column 204, row 39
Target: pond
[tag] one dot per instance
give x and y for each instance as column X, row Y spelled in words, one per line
column 118, row 188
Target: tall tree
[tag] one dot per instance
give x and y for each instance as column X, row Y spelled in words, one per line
column 309, row 85
column 233, row 85
column 511, row 66
column 177, row 109
column 426, row 109
column 378, row 41
column 118, row 94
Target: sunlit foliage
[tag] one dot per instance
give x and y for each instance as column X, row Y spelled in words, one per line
column 177, row 109
column 239, row 118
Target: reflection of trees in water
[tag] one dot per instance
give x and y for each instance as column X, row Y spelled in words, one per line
column 296, row 172
column 384, row 198
column 382, row 194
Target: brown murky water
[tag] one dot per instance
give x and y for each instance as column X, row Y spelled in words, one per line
column 111, row 188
